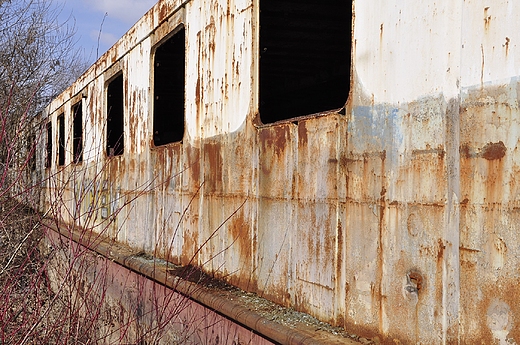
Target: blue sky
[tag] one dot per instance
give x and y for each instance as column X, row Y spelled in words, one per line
column 87, row 17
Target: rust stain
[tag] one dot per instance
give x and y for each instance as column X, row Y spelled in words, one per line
column 193, row 158
column 482, row 67
column 213, row 166
column 380, row 246
column 487, row 18
column 189, row 246
column 198, row 89
column 464, row 151
column 302, row 133
column 496, row 308
column 132, row 165
column 440, row 253
column 164, row 10
column 439, row 151
column 413, row 225
column 500, row 246
column 416, row 279
column 339, row 256
column 506, row 45
column 212, row 34
column 438, row 279
column 275, row 137
column 133, row 119
column 143, row 167
column 166, row 157
column 197, row 92
column 92, row 109
column 240, row 231
column 492, row 151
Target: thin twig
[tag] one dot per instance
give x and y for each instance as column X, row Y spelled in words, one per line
column 20, row 245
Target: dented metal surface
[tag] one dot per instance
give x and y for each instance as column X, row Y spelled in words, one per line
column 398, row 219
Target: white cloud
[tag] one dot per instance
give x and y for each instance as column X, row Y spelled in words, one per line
column 128, row 11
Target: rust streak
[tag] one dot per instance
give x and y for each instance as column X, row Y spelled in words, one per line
column 382, row 207
column 487, row 18
column 482, row 68
column 471, row 250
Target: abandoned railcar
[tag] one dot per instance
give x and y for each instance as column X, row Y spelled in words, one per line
column 353, row 160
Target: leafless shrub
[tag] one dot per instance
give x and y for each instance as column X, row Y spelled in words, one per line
column 37, row 62
column 53, row 290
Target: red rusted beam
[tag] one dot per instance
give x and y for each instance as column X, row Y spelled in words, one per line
column 126, row 257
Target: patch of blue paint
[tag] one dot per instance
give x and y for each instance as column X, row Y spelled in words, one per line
column 376, row 128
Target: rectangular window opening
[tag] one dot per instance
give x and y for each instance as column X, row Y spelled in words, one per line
column 115, row 119
column 61, row 139
column 48, row 156
column 168, row 111
column 304, row 57
column 77, row 120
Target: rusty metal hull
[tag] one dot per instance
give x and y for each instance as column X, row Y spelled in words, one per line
column 398, row 219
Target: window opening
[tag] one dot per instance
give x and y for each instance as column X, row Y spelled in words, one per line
column 48, row 157
column 304, row 57
column 77, row 119
column 61, row 139
column 115, row 124
column 168, row 113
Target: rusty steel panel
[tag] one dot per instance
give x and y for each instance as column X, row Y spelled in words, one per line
column 396, row 216
column 489, row 215
column 276, row 194
column 317, row 255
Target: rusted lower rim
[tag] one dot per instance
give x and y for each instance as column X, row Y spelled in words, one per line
column 233, row 310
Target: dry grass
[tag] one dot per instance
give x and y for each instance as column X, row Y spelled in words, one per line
column 25, row 293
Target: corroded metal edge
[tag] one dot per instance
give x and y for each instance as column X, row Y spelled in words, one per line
column 232, row 309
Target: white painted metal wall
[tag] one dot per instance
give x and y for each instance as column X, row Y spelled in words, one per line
column 399, row 218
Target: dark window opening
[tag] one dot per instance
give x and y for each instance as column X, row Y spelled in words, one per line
column 168, row 114
column 304, row 57
column 77, row 119
column 61, row 139
column 48, row 156
column 115, row 123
